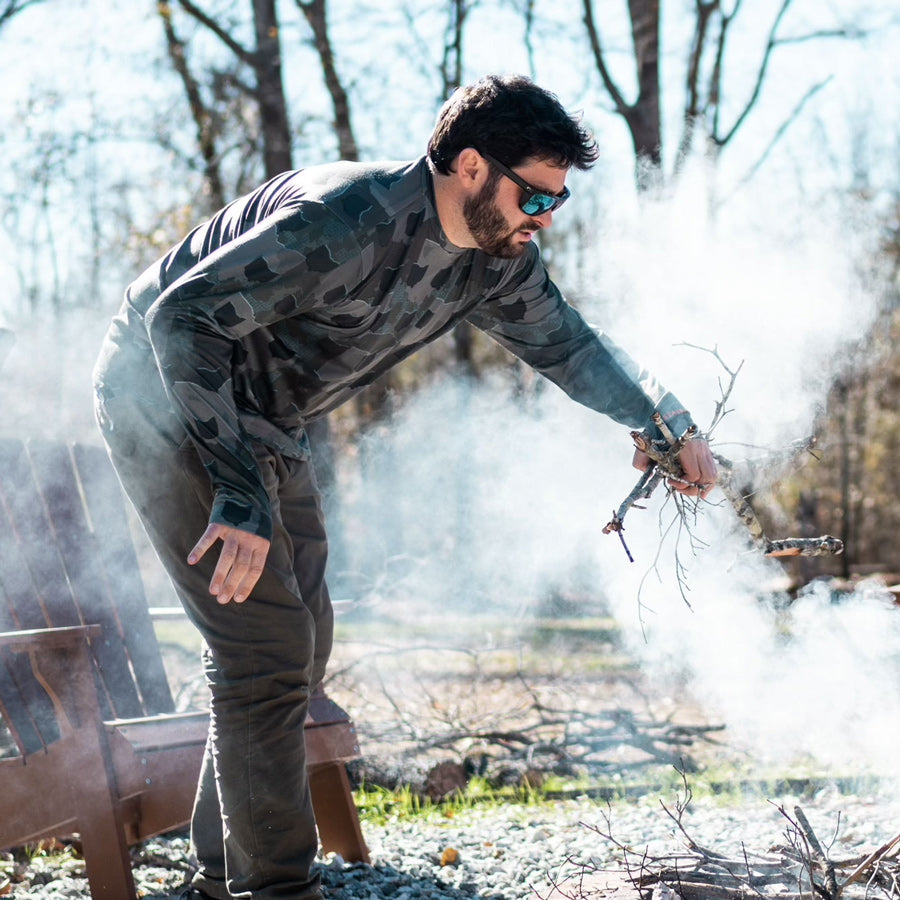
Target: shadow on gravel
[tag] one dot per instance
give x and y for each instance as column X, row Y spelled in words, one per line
column 364, row 882
column 361, row 882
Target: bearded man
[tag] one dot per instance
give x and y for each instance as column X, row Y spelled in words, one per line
column 269, row 315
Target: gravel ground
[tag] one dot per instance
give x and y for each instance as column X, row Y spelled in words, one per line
column 513, row 852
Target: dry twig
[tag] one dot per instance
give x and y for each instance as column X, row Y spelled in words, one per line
column 665, row 465
column 799, row 870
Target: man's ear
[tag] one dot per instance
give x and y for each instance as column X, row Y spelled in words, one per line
column 471, row 168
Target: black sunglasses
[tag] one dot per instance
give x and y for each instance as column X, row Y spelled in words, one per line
column 537, row 202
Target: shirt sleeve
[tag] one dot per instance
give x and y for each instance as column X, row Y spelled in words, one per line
column 287, row 264
column 534, row 322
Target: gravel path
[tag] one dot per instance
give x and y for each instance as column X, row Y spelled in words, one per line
column 516, row 852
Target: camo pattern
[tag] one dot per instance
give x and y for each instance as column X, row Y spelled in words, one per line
column 295, row 297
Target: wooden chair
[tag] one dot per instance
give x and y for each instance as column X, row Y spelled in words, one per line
column 101, row 751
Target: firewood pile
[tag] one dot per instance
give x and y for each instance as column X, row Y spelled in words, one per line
column 798, row 868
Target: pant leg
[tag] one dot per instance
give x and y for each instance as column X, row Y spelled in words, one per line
column 253, row 824
column 300, row 515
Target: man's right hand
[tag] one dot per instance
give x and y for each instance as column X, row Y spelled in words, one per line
column 240, row 564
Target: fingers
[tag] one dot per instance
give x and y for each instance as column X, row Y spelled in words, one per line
column 640, row 460
column 690, row 490
column 207, row 539
column 700, row 470
column 241, row 561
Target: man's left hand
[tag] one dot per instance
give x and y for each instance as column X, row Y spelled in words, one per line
column 700, row 469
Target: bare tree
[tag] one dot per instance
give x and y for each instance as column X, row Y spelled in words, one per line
column 267, row 89
column 704, row 89
column 204, row 119
column 315, row 12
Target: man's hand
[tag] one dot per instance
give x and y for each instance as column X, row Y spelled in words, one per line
column 700, row 469
column 240, row 563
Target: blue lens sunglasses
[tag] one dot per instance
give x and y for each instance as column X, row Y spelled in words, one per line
column 536, row 203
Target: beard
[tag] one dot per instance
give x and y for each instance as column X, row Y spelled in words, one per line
column 488, row 226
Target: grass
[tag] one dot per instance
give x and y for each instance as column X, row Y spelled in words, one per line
column 379, row 806
column 723, row 784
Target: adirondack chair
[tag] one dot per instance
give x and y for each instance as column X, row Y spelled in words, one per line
column 100, row 750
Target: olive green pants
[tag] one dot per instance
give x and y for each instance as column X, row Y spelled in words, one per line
column 253, row 828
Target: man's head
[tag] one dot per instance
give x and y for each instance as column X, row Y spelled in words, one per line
column 501, row 149
column 512, row 120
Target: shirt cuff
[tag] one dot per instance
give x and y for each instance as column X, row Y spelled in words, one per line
column 673, row 413
column 239, row 514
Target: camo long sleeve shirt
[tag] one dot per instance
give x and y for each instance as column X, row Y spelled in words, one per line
column 293, row 298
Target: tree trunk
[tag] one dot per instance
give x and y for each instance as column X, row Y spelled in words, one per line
column 203, row 120
column 317, row 19
column 276, row 132
column 643, row 116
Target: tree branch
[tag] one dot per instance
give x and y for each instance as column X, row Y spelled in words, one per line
column 600, row 60
column 316, row 17
column 760, row 77
column 239, row 50
column 779, row 133
column 704, row 11
column 12, row 7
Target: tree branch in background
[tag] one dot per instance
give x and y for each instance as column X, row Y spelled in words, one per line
column 779, row 133
column 692, row 106
column 316, row 17
column 773, row 41
column 714, row 94
column 10, row 8
column 204, row 121
column 612, row 88
column 238, row 49
column 268, row 91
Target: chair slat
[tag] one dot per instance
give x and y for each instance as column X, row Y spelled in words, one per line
column 57, row 489
column 106, row 504
column 27, row 710
column 32, row 568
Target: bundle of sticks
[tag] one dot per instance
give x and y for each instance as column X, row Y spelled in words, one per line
column 664, row 465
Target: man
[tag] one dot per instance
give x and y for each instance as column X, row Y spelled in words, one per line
column 269, row 315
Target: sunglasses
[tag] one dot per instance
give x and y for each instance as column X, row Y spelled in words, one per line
column 536, row 203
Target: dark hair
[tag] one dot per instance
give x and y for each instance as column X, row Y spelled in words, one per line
column 513, row 119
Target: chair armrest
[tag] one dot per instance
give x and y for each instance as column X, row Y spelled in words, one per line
column 48, row 638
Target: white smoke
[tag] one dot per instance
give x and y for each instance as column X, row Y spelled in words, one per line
column 817, row 680
column 45, row 375
column 531, row 486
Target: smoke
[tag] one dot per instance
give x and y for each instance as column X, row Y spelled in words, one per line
column 476, row 500
column 813, row 681
column 45, row 375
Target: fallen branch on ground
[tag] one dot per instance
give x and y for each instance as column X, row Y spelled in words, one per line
column 799, row 869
